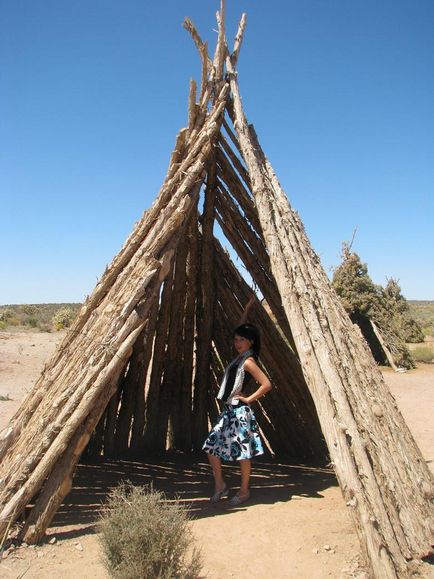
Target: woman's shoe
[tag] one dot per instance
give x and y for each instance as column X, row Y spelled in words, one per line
column 220, row 495
column 237, row 500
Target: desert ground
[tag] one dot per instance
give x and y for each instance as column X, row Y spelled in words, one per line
column 295, row 525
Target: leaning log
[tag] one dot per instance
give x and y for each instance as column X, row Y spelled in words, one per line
column 389, row 497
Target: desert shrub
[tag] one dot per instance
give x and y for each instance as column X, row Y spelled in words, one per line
column 2, row 325
column 63, row 318
column 5, row 315
column 32, row 322
column 30, row 309
column 423, row 354
column 144, row 536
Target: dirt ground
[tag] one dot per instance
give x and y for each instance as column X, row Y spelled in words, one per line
column 295, row 525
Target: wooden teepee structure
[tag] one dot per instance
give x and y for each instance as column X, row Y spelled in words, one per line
column 138, row 369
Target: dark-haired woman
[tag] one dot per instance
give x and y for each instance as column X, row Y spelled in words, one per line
column 236, row 436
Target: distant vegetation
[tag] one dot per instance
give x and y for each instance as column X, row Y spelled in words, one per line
column 42, row 317
column 423, row 312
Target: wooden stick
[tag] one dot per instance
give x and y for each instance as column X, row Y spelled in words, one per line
column 391, row 523
column 205, row 309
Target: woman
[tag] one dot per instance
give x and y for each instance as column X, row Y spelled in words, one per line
column 235, row 436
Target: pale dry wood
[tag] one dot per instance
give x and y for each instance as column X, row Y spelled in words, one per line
column 220, row 53
column 239, row 39
column 46, row 387
column 128, row 388
column 137, row 430
column 360, row 442
column 383, row 345
column 192, row 106
column 257, row 269
column 41, row 463
column 205, row 310
column 153, row 397
column 186, row 390
column 173, row 357
column 110, row 424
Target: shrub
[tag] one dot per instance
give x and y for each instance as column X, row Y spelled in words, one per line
column 30, row 309
column 2, row 325
column 63, row 318
column 423, row 354
column 144, row 536
column 32, row 322
column 5, row 315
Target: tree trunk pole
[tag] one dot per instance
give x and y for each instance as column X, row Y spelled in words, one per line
column 383, row 476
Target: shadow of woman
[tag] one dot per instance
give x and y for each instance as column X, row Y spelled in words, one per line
column 187, row 478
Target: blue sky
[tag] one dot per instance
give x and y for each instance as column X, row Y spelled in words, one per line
column 93, row 93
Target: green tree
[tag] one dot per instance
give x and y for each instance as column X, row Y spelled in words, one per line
column 366, row 302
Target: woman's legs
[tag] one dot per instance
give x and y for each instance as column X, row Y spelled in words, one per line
column 245, row 466
column 216, row 466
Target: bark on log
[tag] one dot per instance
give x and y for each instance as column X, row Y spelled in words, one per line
column 389, row 497
column 383, row 345
column 173, row 359
column 186, row 402
column 68, row 354
column 137, row 432
column 205, row 314
column 110, row 424
column 153, row 398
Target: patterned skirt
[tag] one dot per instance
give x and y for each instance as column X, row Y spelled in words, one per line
column 235, row 436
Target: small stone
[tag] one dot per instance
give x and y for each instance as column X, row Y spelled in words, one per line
column 315, row 551
column 40, row 554
column 24, row 545
column 52, row 541
column 79, row 547
column 5, row 554
column 327, row 548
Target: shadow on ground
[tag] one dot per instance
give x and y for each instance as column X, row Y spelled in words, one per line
column 188, row 478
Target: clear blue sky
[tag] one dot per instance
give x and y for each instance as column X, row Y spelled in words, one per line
column 93, row 92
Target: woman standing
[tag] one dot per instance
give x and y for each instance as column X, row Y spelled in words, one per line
column 236, row 436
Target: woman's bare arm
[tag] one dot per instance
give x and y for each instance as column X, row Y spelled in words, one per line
column 245, row 315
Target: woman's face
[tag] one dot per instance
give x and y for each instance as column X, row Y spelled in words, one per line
column 241, row 344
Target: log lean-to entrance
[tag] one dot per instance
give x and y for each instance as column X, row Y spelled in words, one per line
column 139, row 368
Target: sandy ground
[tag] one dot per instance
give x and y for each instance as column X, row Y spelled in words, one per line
column 295, row 526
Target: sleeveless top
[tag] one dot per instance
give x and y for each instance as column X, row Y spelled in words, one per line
column 230, row 384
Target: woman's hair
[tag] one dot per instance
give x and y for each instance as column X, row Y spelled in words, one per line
column 250, row 332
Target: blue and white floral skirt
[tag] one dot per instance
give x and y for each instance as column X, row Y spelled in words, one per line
column 235, row 436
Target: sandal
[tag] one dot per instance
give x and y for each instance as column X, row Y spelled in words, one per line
column 238, row 500
column 220, row 495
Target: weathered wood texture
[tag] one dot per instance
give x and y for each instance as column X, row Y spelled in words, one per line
column 93, row 354
column 160, row 321
column 382, row 474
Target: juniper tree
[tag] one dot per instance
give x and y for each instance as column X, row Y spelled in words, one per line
column 367, row 302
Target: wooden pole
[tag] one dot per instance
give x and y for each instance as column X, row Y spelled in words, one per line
column 383, row 477
column 205, row 309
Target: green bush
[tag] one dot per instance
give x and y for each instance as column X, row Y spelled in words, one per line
column 2, row 325
column 63, row 318
column 144, row 536
column 32, row 322
column 423, row 354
